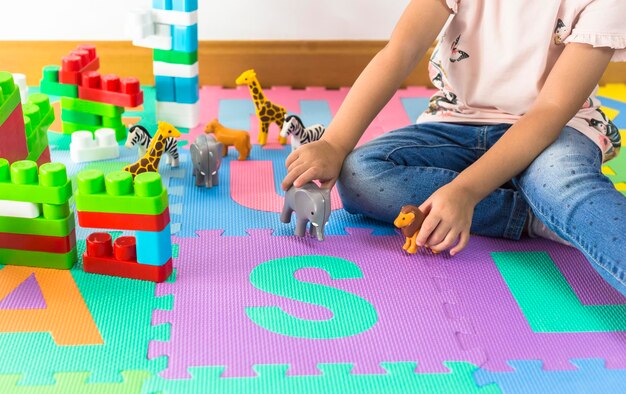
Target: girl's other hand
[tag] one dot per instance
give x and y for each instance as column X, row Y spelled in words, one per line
column 319, row 160
column 449, row 214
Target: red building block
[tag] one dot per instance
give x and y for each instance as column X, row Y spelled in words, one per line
column 13, row 136
column 44, row 157
column 38, row 243
column 80, row 60
column 119, row 221
column 110, row 89
column 120, row 259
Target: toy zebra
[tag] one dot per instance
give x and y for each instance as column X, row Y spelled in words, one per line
column 138, row 135
column 300, row 135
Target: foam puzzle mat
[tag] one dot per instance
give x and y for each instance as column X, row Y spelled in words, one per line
column 251, row 308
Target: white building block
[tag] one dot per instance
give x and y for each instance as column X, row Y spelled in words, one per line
column 175, row 70
column 84, row 148
column 16, row 209
column 181, row 115
column 20, row 81
column 144, row 32
column 179, row 18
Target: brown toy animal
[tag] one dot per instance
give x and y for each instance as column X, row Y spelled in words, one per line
column 410, row 221
column 229, row 137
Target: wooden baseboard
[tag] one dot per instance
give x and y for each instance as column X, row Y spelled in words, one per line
column 278, row 63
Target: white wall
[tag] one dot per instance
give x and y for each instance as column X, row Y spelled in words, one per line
column 218, row 19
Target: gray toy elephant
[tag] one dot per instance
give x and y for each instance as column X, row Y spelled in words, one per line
column 206, row 155
column 311, row 204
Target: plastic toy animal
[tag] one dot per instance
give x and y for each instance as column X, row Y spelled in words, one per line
column 311, row 204
column 139, row 135
column 300, row 135
column 266, row 111
column 150, row 161
column 206, row 155
column 410, row 221
column 230, row 137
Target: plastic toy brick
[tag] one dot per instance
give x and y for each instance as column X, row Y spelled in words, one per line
column 9, row 96
column 145, row 32
column 81, row 117
column 118, row 126
column 154, row 42
column 185, row 38
column 119, row 259
column 91, row 107
column 165, row 88
column 154, row 248
column 179, row 114
column 50, row 84
column 184, row 5
column 116, row 193
column 110, row 89
column 38, row 259
column 14, row 146
column 40, row 158
column 20, row 82
column 175, row 18
column 82, row 59
column 40, row 226
column 187, row 90
column 38, row 243
column 38, row 116
column 120, row 221
column 85, row 148
column 175, row 70
column 21, row 182
column 162, row 4
column 17, row 209
column 175, row 57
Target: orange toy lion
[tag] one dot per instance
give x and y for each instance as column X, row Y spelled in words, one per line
column 230, row 137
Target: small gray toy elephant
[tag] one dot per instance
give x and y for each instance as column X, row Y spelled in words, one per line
column 311, row 204
column 206, row 155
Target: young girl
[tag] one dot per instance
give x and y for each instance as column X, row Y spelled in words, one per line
column 513, row 139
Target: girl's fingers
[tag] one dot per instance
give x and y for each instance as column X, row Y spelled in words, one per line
column 430, row 223
column 438, row 235
column 306, row 177
column 462, row 243
column 448, row 242
column 293, row 156
column 292, row 175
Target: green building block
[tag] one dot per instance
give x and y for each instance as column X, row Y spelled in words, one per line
column 91, row 107
column 81, row 117
column 9, row 96
column 22, row 183
column 175, row 57
column 120, row 129
column 38, row 259
column 50, row 84
column 39, row 226
column 38, row 116
column 116, row 193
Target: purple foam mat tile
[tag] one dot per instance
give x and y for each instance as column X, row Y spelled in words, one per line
column 588, row 285
column 26, row 296
column 501, row 329
column 213, row 293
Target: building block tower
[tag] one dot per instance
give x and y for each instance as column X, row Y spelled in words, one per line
column 36, row 223
column 116, row 202
column 23, row 127
column 90, row 101
column 170, row 28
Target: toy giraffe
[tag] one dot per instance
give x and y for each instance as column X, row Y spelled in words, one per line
column 266, row 111
column 150, row 161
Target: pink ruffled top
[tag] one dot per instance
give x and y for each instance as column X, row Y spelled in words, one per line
column 495, row 56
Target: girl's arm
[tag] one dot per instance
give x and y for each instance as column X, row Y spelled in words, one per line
column 569, row 84
column 414, row 33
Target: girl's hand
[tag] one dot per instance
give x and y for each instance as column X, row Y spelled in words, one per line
column 448, row 219
column 319, row 160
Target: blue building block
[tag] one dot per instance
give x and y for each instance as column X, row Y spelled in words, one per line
column 162, row 4
column 185, row 5
column 165, row 90
column 187, row 90
column 154, row 248
column 185, row 38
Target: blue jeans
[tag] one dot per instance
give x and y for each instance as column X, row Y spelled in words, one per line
column 564, row 187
